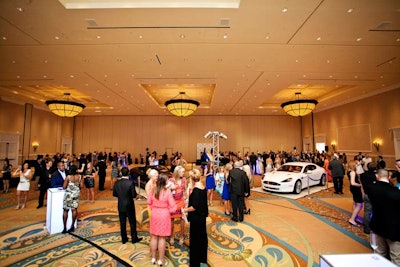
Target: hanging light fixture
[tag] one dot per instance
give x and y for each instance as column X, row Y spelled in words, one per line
column 181, row 105
column 299, row 107
column 65, row 108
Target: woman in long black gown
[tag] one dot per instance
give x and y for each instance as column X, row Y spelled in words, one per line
column 197, row 215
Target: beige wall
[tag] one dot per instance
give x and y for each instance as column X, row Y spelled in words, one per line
column 258, row 133
column 135, row 133
column 46, row 128
column 379, row 113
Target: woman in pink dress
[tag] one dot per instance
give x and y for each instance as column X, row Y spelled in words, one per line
column 177, row 184
column 161, row 204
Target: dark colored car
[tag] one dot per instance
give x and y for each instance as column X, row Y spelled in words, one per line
column 136, row 172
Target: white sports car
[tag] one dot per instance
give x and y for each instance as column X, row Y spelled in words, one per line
column 294, row 177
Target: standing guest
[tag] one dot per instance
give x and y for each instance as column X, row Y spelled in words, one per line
column 125, row 191
column 177, row 184
column 151, row 183
column 197, row 215
column 6, row 175
column 25, row 175
column 381, row 163
column 385, row 221
column 367, row 178
column 58, row 177
column 88, row 176
column 253, row 162
column 336, row 166
column 365, row 160
column 101, row 171
column 238, row 187
column 355, row 189
column 327, row 160
column 161, row 204
column 38, row 168
column 210, row 182
column 226, row 196
column 246, row 169
column 219, row 182
column 72, row 184
column 114, row 173
column 45, row 181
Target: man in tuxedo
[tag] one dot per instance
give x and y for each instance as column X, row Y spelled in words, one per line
column 101, row 168
column 385, row 221
column 45, row 181
column 58, row 177
column 125, row 191
column 238, row 188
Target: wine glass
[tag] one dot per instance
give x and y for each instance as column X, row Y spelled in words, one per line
column 372, row 241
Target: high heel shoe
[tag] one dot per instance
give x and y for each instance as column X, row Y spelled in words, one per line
column 248, row 211
column 17, row 208
column 171, row 241
column 160, row 263
column 181, row 239
column 153, row 261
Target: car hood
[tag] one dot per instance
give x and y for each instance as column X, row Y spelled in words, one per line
column 278, row 176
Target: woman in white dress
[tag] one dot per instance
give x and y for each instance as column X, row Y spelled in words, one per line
column 269, row 164
column 25, row 176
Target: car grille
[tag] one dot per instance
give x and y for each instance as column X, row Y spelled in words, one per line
column 270, row 183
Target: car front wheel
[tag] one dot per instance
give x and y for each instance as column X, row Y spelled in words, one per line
column 322, row 181
column 297, row 187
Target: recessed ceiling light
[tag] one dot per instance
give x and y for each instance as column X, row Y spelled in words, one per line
column 349, row 10
column 398, row 40
column 18, row 77
column 225, row 36
column 45, row 76
column 318, row 38
column 355, row 77
column 182, row 36
column 328, row 61
column 4, row 38
column 358, row 39
column 140, row 36
column 98, row 36
column 284, row 10
column 57, row 37
column 20, row 9
column 45, row 61
column 71, row 76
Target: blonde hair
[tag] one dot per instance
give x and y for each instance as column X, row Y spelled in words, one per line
column 176, row 171
column 352, row 165
column 195, row 175
column 228, row 167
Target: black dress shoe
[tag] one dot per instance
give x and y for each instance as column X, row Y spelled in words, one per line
column 64, row 231
column 137, row 239
column 38, row 207
column 124, row 241
column 234, row 219
column 336, row 192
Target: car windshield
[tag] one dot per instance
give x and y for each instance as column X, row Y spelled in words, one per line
column 290, row 168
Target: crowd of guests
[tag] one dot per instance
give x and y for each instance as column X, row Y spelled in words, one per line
column 177, row 197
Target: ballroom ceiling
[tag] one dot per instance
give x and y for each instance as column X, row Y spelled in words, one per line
column 234, row 61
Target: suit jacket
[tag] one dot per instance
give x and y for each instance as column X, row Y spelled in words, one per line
column 57, row 180
column 125, row 190
column 238, row 182
column 385, row 200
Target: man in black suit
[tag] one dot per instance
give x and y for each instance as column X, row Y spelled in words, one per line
column 385, row 221
column 101, row 168
column 238, row 188
column 124, row 189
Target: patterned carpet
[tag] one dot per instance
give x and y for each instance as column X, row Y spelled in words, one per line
column 279, row 232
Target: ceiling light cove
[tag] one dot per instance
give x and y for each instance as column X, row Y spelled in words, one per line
column 88, row 4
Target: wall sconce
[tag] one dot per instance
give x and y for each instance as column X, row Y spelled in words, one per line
column 377, row 144
column 35, row 145
column 333, row 144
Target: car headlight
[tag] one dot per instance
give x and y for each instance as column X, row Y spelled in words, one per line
column 287, row 180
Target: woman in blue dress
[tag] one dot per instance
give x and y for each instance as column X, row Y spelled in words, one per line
column 226, row 196
column 210, row 182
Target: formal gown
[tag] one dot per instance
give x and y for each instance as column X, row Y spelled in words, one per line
column 198, row 229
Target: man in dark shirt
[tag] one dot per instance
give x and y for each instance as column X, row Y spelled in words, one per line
column 125, row 190
column 238, row 188
column 367, row 178
column 101, row 168
column 385, row 221
column 336, row 166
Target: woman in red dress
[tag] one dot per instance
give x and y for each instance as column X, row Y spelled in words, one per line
column 161, row 204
